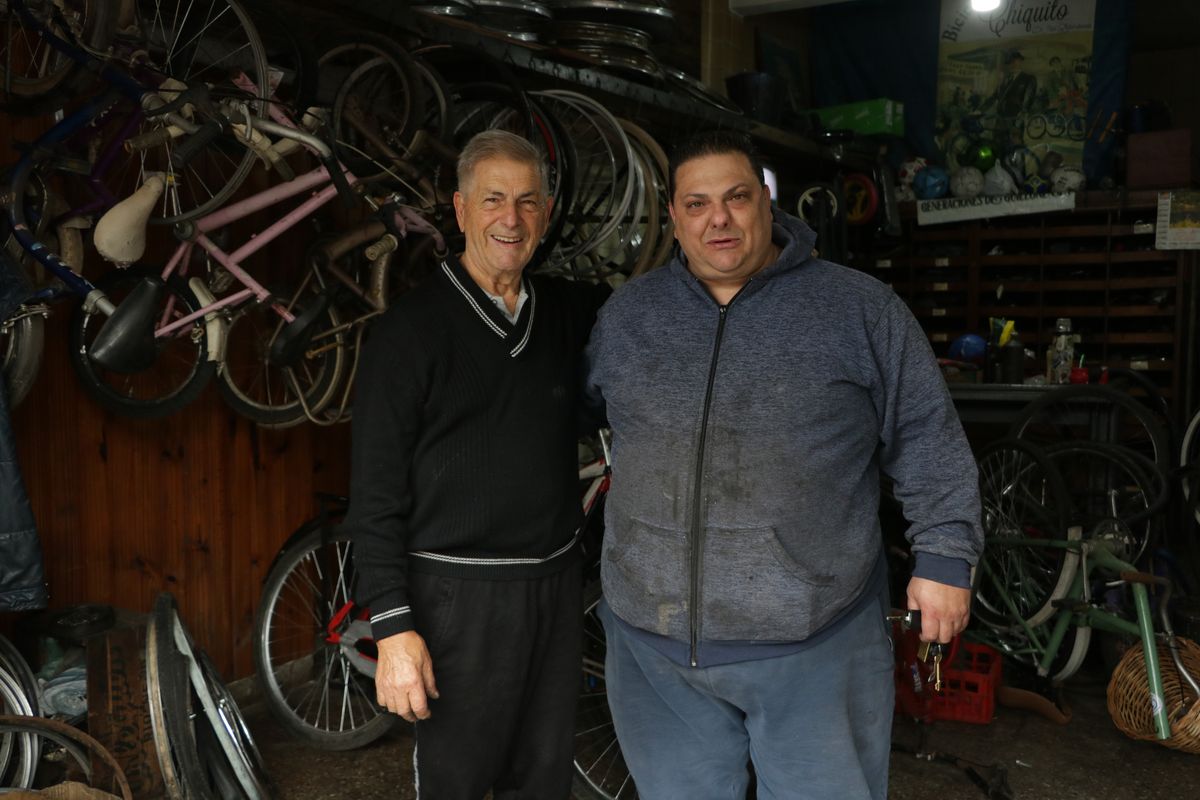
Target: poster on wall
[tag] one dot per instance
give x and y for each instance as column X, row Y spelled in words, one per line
column 1015, row 80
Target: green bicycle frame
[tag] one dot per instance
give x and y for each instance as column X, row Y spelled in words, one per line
column 1074, row 608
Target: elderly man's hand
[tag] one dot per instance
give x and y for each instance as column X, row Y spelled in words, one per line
column 944, row 609
column 404, row 676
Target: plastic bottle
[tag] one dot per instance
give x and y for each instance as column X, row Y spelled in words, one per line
column 1062, row 352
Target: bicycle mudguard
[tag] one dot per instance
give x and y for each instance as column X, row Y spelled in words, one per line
column 126, row 341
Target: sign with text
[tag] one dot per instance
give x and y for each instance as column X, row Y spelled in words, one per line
column 957, row 209
column 1016, row 77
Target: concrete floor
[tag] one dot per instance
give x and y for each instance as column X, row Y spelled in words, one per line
column 1087, row 759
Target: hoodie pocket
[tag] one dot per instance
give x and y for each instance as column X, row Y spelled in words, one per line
column 754, row 591
column 645, row 576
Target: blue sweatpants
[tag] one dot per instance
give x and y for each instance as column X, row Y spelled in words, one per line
column 816, row 724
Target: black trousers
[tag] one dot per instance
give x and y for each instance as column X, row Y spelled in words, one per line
column 506, row 660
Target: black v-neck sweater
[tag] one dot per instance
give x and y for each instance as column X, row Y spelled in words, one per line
column 464, row 435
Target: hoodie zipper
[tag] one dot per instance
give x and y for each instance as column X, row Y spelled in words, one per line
column 698, row 494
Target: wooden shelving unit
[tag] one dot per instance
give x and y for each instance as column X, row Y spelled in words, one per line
column 1130, row 303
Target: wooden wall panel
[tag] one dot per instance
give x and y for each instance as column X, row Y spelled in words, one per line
column 196, row 504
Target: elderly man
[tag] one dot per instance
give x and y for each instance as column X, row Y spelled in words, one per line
column 464, row 499
column 755, row 394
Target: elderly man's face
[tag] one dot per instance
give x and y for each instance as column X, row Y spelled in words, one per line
column 722, row 215
column 504, row 215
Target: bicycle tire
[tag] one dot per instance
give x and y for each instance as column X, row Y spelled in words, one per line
column 313, row 578
column 180, row 372
column 1081, row 413
column 21, row 344
column 71, row 738
column 169, row 697
column 278, row 395
column 216, row 708
column 1115, row 493
column 288, row 51
column 56, row 77
column 600, row 770
column 1023, row 497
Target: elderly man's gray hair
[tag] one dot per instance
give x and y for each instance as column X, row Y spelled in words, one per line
column 500, row 144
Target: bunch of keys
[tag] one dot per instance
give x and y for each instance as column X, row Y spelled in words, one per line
column 911, row 620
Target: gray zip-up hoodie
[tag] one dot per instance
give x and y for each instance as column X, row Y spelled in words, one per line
column 749, row 441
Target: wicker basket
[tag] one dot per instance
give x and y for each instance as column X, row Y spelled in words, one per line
column 1129, row 696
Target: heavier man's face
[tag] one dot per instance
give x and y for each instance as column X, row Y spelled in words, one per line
column 722, row 215
column 504, row 215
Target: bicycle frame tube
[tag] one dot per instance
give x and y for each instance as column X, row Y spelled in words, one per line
column 232, row 261
column 1096, row 555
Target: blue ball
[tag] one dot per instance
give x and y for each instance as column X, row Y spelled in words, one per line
column 969, row 347
column 931, row 183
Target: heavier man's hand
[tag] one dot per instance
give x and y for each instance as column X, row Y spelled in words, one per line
column 404, row 676
column 944, row 609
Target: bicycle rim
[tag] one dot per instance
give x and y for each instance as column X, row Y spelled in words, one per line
column 180, row 371
column 309, row 682
column 215, row 707
column 24, row 746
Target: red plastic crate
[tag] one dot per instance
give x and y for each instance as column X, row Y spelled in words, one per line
column 969, row 681
column 968, row 686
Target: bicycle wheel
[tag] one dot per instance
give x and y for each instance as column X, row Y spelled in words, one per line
column 311, row 669
column 1097, row 414
column 1115, row 494
column 169, row 699
column 276, row 390
column 180, row 371
column 237, row 754
column 379, row 105
column 600, row 771
column 1023, row 498
column 210, row 43
column 34, row 76
column 21, row 340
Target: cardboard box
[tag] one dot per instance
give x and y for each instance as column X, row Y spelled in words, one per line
column 1159, row 159
column 867, row 116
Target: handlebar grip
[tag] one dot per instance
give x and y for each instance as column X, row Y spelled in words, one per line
column 193, row 144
